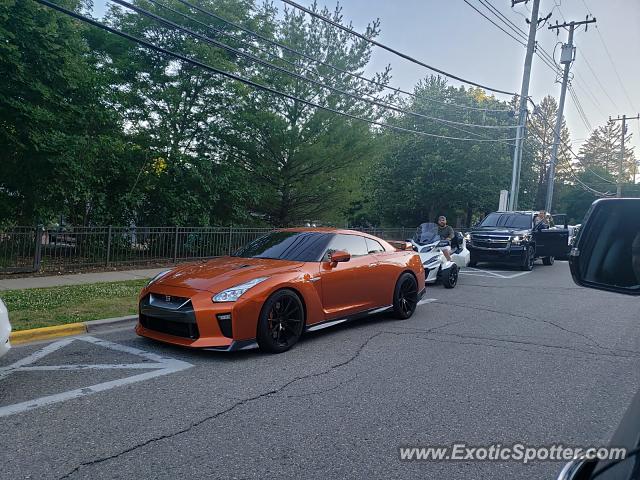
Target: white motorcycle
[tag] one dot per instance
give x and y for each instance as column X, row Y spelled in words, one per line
column 427, row 243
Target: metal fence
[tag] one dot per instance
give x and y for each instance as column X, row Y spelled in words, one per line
column 37, row 249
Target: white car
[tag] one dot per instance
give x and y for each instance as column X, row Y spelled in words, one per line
column 5, row 329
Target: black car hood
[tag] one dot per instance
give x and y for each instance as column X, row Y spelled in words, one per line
column 499, row 231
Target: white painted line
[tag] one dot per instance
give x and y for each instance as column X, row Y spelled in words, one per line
column 35, row 356
column 88, row 366
column 491, row 274
column 161, row 366
column 519, row 274
column 426, row 300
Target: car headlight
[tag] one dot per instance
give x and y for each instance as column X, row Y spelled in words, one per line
column 232, row 294
column 158, row 277
column 518, row 239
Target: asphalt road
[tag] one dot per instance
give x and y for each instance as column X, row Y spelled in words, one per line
column 529, row 359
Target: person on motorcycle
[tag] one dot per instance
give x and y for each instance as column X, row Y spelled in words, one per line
column 446, row 233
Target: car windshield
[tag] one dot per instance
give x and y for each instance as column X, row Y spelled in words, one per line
column 426, row 233
column 287, row 245
column 508, row 220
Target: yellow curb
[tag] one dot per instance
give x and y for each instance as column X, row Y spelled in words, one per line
column 45, row 333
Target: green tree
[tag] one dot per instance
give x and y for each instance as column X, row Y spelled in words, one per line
column 55, row 131
column 541, row 125
column 302, row 159
column 419, row 177
column 602, row 150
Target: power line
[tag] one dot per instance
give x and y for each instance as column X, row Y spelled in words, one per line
column 321, row 62
column 615, row 70
column 540, row 52
column 578, row 105
column 595, row 75
column 574, row 174
column 238, row 78
column 584, row 86
column 494, row 23
column 260, row 61
column 505, row 20
column 392, row 50
column 567, row 145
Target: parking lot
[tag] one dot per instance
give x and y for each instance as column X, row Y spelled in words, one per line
column 505, row 357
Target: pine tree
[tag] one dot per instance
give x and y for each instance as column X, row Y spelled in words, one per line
column 540, row 126
column 602, row 151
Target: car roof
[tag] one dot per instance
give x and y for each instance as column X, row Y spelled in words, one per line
column 325, row 230
column 525, row 212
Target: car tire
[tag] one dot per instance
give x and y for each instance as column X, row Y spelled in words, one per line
column 405, row 296
column 548, row 260
column 450, row 276
column 281, row 322
column 527, row 266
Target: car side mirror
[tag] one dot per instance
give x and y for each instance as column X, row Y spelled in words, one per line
column 606, row 253
column 339, row 256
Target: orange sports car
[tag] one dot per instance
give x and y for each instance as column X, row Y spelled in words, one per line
column 276, row 287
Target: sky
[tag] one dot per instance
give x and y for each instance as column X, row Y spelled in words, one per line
column 450, row 35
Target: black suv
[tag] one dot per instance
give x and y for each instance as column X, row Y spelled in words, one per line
column 510, row 237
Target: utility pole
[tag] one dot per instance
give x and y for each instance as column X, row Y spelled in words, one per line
column 522, row 112
column 566, row 57
column 621, row 166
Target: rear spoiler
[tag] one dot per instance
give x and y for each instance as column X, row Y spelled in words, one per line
column 400, row 245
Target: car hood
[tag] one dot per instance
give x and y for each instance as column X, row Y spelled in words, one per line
column 499, row 231
column 225, row 272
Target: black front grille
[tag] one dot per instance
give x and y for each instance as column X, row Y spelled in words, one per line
column 170, row 327
column 170, row 315
column 490, row 241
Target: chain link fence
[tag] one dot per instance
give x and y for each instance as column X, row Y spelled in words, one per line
column 38, row 249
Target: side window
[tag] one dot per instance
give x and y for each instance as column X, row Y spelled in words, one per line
column 373, row 246
column 354, row 244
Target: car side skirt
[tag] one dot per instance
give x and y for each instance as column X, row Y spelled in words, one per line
column 330, row 323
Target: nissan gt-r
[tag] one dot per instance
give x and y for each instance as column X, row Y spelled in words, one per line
column 273, row 289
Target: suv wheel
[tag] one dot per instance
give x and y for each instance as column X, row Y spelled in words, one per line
column 548, row 260
column 529, row 259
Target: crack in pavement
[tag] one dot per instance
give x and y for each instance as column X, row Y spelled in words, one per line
column 348, row 361
column 327, row 390
column 593, row 342
column 529, row 287
column 543, row 345
column 247, row 400
column 224, row 411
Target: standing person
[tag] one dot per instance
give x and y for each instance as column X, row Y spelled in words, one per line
column 540, row 222
column 446, row 233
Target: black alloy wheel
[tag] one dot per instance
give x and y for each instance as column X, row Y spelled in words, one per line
column 281, row 322
column 405, row 298
column 450, row 278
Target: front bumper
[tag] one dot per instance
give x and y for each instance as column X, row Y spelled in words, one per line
column 191, row 319
column 512, row 254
